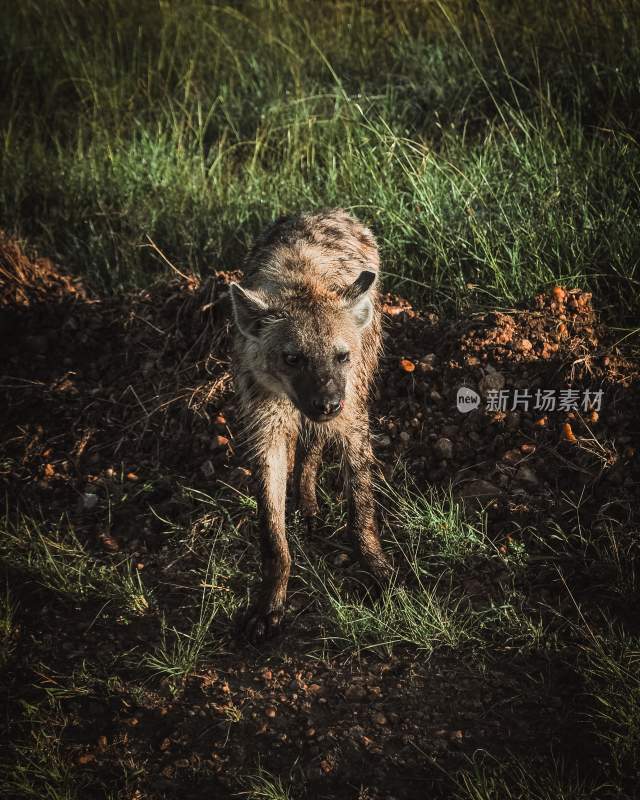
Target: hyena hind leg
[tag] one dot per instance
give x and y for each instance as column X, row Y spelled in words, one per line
column 308, row 460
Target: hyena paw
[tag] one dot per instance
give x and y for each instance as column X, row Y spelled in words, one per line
column 263, row 623
column 381, row 570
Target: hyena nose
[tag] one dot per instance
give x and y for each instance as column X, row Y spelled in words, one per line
column 327, row 406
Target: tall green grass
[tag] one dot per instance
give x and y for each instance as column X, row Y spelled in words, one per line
column 492, row 147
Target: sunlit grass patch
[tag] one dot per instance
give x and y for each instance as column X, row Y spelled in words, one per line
column 509, row 779
column 263, row 785
column 424, row 618
column 431, row 525
column 53, row 556
column 491, row 158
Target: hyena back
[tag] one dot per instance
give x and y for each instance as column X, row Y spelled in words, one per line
column 305, row 350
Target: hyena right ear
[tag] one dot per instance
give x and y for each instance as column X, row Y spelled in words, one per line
column 249, row 310
column 358, row 300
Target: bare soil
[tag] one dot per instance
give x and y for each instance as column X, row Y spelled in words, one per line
column 113, row 393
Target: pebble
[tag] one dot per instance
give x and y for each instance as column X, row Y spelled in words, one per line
column 443, row 448
column 89, row 501
column 526, row 475
column 207, row 469
column 109, row 543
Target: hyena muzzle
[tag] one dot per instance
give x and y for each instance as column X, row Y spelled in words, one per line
column 306, row 347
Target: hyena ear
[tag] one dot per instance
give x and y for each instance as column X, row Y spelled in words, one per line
column 249, row 310
column 358, row 300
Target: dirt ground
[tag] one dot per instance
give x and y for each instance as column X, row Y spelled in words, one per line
column 111, row 394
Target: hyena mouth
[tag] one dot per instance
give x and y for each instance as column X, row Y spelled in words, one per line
column 324, row 410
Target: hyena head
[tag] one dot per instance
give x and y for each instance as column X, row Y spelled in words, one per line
column 306, row 341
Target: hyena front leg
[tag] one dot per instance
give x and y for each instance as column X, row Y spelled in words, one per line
column 362, row 515
column 271, row 470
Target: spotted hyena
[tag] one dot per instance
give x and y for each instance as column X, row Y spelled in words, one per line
column 307, row 338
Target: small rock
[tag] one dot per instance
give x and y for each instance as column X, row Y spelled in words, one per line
column 480, row 489
column 109, row 543
column 355, row 693
column 207, row 469
column 526, row 475
column 512, row 456
column 559, row 294
column 406, row 365
column 270, row 712
column 443, row 448
column 89, row 501
column 524, row 345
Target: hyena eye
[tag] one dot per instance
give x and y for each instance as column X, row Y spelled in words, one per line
column 292, row 359
column 342, row 357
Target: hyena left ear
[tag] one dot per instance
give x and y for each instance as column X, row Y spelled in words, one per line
column 358, row 299
column 249, row 310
